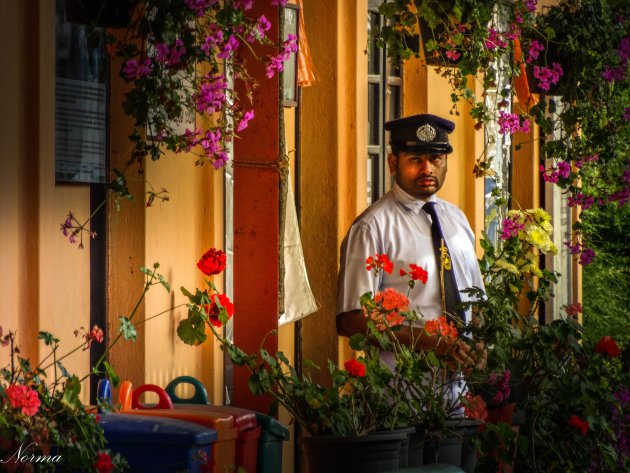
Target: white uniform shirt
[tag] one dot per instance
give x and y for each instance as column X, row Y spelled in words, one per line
column 397, row 226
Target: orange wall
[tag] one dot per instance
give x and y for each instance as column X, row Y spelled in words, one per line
column 45, row 281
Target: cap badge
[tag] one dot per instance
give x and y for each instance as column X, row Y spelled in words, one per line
column 425, row 133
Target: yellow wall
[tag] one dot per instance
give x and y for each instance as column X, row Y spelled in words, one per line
column 178, row 232
column 45, row 283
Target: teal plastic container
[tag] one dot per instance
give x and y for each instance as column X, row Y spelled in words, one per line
column 272, row 436
column 272, row 432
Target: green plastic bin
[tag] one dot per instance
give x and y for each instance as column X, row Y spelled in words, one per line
column 272, row 435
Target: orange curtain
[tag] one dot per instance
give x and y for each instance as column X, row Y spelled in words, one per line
column 521, row 85
column 306, row 70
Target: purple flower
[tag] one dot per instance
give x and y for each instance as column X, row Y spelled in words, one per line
column 494, row 40
column 626, row 114
column 229, row 47
column 215, row 36
column 199, row 6
column 531, row 5
column 564, row 169
column 162, row 52
column 534, row 50
column 244, row 121
column 511, row 123
column 510, row 229
column 548, row 76
column 279, row 2
column 220, row 159
column 587, row 256
column 274, row 64
column 211, row 143
column 133, row 69
column 243, row 4
column 211, row 95
column 177, row 52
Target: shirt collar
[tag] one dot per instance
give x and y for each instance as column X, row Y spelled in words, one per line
column 409, row 201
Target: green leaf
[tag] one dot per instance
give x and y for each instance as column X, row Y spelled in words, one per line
column 127, row 328
column 111, row 374
column 48, row 338
column 71, row 391
column 357, row 341
column 64, row 371
column 164, row 283
column 191, row 333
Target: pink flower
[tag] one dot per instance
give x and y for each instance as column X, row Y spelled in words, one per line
column 574, row 309
column 215, row 36
column 452, row 55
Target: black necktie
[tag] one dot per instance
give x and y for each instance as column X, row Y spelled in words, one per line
column 448, row 285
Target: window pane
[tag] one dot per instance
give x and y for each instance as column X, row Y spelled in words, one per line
column 374, row 58
column 394, row 69
column 371, row 161
column 394, row 102
column 374, row 113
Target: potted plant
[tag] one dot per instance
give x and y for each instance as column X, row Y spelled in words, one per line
column 546, row 363
column 43, row 424
column 340, row 419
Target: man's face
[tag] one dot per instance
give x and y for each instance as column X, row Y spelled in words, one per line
column 420, row 175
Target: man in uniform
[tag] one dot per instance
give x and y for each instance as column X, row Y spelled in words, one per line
column 411, row 225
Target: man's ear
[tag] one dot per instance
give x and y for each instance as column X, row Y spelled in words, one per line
column 391, row 161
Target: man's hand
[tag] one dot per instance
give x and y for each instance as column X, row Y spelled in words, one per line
column 461, row 356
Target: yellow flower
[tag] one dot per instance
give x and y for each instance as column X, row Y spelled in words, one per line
column 503, row 264
column 547, row 227
column 539, row 238
column 541, row 215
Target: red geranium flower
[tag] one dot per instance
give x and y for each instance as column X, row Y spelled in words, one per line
column 575, row 421
column 24, row 398
column 607, row 346
column 354, row 368
column 416, row 273
column 212, row 262
column 475, row 407
column 381, row 262
column 441, row 326
column 213, row 310
column 103, row 463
